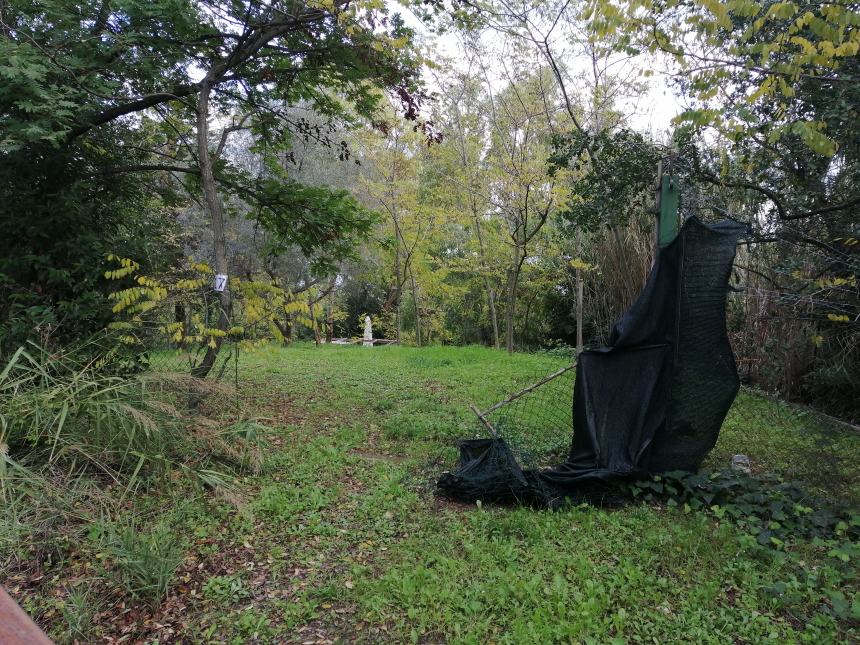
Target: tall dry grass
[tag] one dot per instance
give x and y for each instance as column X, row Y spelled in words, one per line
column 79, row 440
column 622, row 258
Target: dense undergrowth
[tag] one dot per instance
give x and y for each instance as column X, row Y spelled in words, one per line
column 82, row 439
column 337, row 536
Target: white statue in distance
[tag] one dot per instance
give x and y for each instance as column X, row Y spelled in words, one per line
column 368, row 332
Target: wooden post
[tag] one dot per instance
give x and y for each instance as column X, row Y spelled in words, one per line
column 482, row 416
column 580, row 292
column 484, row 420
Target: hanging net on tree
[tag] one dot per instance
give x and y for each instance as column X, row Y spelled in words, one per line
column 653, row 401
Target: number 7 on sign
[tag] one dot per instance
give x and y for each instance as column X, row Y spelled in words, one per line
column 220, row 282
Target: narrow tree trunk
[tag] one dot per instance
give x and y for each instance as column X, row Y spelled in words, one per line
column 525, row 327
column 491, row 295
column 417, row 308
column 398, row 241
column 509, row 315
column 398, row 289
column 494, row 316
column 510, row 305
column 579, row 295
column 179, row 317
column 312, row 307
column 212, row 206
column 329, row 327
column 284, row 329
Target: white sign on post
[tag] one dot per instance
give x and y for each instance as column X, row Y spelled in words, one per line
column 220, row 282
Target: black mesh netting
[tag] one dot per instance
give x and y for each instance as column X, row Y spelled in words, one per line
column 652, row 401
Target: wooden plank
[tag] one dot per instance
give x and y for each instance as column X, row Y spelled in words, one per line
column 359, row 341
column 16, row 628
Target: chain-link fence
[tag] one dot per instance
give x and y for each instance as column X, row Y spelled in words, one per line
column 792, row 441
column 795, row 321
column 174, row 337
column 536, row 419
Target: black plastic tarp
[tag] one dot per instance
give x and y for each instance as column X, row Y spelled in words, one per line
column 652, row 401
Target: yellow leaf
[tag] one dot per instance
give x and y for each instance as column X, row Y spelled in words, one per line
column 847, row 49
column 579, row 263
column 782, row 10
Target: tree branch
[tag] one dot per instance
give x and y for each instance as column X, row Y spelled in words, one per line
column 118, row 170
column 151, row 100
column 784, row 215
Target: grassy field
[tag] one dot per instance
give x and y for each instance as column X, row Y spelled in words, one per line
column 340, row 538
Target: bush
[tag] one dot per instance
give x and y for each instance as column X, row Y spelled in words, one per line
column 69, row 409
column 78, row 610
column 79, row 434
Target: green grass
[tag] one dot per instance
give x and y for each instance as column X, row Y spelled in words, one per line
column 793, row 442
column 340, row 537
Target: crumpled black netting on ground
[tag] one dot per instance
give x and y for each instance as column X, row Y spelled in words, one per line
column 652, row 401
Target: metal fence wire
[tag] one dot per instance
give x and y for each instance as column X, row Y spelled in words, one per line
column 535, row 420
column 792, row 305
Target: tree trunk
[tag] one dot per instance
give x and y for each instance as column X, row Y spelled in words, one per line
column 417, row 308
column 494, row 316
column 179, row 317
column 398, row 241
column 511, row 299
column 491, row 295
column 312, row 308
column 212, row 206
column 284, row 328
column 509, row 314
column 579, row 295
column 329, row 326
column 398, row 288
column 525, row 327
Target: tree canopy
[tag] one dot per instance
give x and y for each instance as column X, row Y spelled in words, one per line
column 334, row 162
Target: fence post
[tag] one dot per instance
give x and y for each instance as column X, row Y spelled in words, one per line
column 667, row 203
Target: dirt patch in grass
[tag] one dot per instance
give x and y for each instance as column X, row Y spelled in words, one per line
column 286, row 411
column 439, row 504
column 373, row 456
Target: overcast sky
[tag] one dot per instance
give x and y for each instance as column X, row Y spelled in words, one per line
column 651, row 113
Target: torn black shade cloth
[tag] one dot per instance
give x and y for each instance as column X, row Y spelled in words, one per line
column 652, row 401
